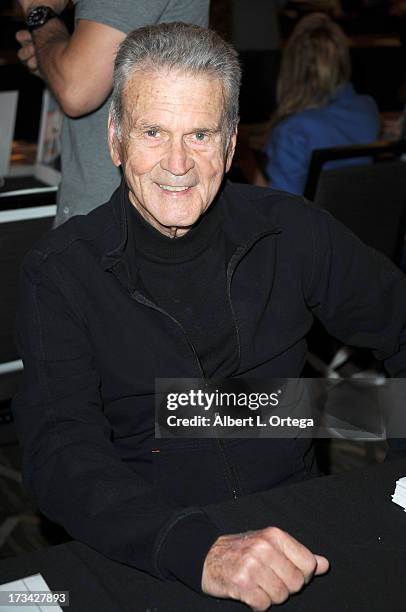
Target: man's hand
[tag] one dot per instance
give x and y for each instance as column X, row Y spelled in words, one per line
column 26, row 54
column 259, row 568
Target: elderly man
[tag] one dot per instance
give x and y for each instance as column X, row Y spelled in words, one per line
column 182, row 275
column 78, row 69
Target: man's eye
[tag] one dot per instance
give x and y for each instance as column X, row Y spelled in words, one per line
column 200, row 136
column 152, row 133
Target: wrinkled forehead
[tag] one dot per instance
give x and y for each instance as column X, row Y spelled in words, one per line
column 176, row 92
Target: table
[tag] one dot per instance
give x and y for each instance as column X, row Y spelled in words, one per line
column 350, row 518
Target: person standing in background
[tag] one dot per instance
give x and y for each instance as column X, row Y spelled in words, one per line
column 78, row 69
column 317, row 105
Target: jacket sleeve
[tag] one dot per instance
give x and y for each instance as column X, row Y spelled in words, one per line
column 357, row 293
column 70, row 465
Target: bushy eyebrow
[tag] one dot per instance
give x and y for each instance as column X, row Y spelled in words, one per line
column 141, row 126
column 207, row 130
column 144, row 126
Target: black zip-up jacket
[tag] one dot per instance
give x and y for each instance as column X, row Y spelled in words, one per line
column 92, row 345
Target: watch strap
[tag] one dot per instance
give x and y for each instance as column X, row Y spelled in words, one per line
column 39, row 16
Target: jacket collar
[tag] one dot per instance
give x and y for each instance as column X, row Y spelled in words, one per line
column 242, row 221
column 245, row 220
column 118, row 204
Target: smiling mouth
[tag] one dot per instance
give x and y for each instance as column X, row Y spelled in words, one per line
column 173, row 188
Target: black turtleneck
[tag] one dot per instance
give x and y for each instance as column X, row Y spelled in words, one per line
column 186, row 277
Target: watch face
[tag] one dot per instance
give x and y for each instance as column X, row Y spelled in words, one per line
column 39, row 16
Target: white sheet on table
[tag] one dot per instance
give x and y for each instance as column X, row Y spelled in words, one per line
column 31, row 583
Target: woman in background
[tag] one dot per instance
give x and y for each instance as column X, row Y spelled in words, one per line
column 317, row 105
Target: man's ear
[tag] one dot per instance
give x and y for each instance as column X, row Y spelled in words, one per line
column 113, row 142
column 231, row 149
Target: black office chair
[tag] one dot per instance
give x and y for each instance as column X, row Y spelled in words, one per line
column 370, row 199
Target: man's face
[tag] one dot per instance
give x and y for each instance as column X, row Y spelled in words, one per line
column 173, row 149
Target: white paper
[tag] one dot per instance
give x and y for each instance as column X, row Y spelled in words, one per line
column 401, row 483
column 30, row 583
column 399, row 496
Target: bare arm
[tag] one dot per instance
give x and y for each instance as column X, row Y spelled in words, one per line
column 78, row 69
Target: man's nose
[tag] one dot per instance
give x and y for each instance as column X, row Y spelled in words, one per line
column 177, row 159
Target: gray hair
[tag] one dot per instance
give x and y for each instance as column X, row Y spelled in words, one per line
column 177, row 46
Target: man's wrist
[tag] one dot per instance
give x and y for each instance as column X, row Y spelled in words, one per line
column 58, row 6
column 39, row 16
column 185, row 549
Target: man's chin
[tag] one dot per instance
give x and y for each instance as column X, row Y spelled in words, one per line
column 180, row 222
column 177, row 227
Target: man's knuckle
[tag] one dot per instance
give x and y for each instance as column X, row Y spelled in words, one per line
column 275, row 537
column 249, row 562
column 296, row 582
column 242, row 579
column 280, row 593
column 261, row 548
column 255, row 543
column 256, row 602
column 275, row 533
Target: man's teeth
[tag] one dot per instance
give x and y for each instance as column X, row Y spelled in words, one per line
column 172, row 188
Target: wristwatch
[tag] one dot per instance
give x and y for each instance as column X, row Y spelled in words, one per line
column 39, row 16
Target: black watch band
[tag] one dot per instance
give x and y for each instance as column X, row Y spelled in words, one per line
column 39, row 16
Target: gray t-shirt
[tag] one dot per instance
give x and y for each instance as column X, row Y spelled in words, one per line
column 88, row 175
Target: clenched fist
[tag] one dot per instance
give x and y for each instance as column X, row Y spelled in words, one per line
column 259, row 568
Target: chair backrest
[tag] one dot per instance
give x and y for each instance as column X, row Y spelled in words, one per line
column 369, row 198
